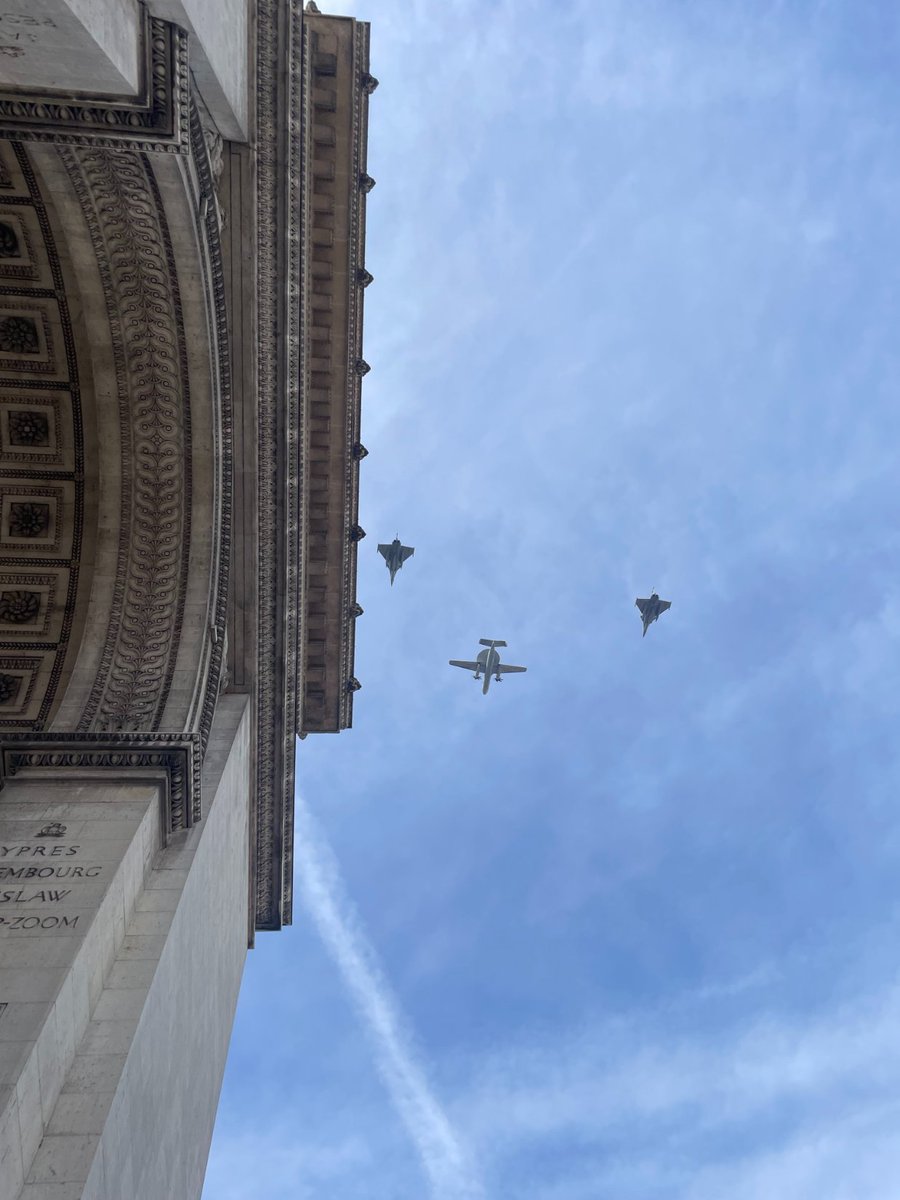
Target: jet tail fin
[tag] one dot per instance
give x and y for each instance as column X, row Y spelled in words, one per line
column 489, row 642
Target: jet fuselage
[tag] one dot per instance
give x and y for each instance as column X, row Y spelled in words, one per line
column 488, row 662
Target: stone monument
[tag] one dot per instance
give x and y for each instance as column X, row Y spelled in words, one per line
column 182, row 218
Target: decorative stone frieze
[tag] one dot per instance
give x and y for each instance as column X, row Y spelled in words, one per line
column 43, row 473
column 311, row 187
column 130, row 237
column 335, row 111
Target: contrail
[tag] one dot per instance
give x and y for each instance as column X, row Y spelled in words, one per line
column 444, row 1158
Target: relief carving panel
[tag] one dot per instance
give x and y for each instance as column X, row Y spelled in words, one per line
column 41, row 453
column 128, row 230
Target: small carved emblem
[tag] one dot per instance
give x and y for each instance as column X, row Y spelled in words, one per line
column 369, row 83
column 18, row 335
column 29, row 520
column 28, row 428
column 19, row 608
column 54, row 829
column 353, row 685
column 356, row 610
column 366, row 183
column 359, row 451
column 363, row 278
column 362, row 367
column 9, row 241
column 9, row 688
column 357, row 533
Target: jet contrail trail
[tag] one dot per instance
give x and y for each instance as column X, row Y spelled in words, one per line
column 444, row 1159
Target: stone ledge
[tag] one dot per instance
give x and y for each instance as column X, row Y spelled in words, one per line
column 157, row 119
column 173, row 759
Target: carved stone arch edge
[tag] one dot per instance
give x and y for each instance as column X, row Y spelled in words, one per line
column 175, row 759
column 123, row 210
column 107, row 224
column 214, row 270
column 279, row 41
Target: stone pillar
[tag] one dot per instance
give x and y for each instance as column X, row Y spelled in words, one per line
column 120, row 963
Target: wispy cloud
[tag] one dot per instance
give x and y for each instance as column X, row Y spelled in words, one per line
column 779, row 1106
column 446, row 1161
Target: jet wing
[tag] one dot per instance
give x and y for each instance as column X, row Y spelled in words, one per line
column 664, row 604
column 505, row 670
column 406, row 552
column 469, row 666
column 384, row 550
column 640, row 604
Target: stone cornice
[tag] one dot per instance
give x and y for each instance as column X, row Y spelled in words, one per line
column 308, row 420
column 157, row 119
column 336, row 93
column 174, row 758
column 279, row 65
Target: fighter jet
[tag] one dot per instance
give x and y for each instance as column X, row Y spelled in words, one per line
column 487, row 663
column 650, row 610
column 395, row 555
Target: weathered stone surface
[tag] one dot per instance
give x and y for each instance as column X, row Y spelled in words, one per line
column 71, row 45
column 180, row 370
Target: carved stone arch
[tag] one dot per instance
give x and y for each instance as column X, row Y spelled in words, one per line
column 142, row 231
column 48, row 460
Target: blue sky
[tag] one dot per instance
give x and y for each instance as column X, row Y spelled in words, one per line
column 628, row 926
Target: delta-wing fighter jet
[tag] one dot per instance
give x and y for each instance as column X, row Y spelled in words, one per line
column 650, row 610
column 395, row 555
column 488, row 664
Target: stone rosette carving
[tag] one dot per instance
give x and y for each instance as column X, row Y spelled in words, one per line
column 19, row 335
column 29, row 519
column 10, row 686
column 28, row 428
column 9, row 241
column 19, row 607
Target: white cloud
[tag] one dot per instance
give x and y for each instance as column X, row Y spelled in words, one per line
column 781, row 1106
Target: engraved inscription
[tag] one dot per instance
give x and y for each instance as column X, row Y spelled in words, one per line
column 37, row 851
column 26, row 896
column 60, row 872
column 39, row 922
column 31, row 884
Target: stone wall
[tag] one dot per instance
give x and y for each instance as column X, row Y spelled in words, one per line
column 116, row 977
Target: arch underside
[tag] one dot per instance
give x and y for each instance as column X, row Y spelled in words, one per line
column 114, row 441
